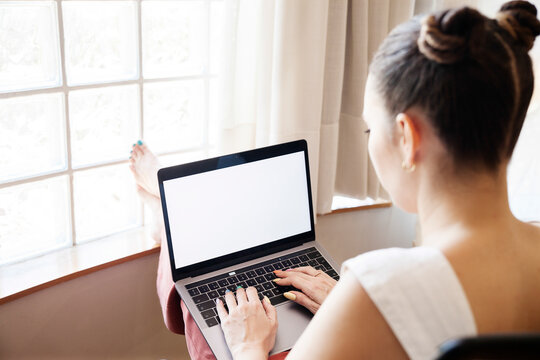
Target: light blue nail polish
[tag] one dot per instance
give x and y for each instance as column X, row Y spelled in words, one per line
column 139, row 142
column 226, row 291
column 130, row 157
column 131, row 152
column 134, row 145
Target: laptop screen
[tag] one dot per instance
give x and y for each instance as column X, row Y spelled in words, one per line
column 226, row 210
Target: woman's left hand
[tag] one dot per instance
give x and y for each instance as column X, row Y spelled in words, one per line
column 250, row 325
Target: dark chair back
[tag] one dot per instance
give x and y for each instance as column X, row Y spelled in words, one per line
column 504, row 346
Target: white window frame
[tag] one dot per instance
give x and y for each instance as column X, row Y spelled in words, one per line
column 140, row 81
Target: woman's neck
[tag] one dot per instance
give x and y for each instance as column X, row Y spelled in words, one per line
column 457, row 208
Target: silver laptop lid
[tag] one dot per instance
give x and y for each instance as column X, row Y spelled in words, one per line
column 233, row 208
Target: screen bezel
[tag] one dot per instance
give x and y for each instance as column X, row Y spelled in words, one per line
column 222, row 162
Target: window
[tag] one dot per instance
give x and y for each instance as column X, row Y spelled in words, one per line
column 80, row 81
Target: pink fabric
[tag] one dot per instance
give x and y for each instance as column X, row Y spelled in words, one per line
column 176, row 316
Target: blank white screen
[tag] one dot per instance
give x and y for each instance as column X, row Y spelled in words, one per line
column 227, row 210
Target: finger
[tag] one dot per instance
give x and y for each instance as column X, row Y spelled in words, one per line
column 241, row 295
column 302, row 299
column 252, row 294
column 220, row 307
column 230, row 300
column 306, row 270
column 269, row 309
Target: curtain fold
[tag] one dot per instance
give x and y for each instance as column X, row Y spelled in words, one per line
column 297, row 69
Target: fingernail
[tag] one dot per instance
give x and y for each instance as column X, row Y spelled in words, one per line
column 276, row 271
column 218, row 301
column 239, row 287
column 131, row 152
column 290, row 296
column 130, row 157
column 134, row 145
column 267, row 299
column 226, row 291
column 139, row 142
column 276, row 280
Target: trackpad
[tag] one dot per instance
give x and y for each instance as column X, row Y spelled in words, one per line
column 292, row 320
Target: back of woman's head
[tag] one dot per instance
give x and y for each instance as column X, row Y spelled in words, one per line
column 470, row 75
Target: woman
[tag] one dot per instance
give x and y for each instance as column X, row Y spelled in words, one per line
column 445, row 101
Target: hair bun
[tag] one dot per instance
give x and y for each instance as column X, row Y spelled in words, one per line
column 519, row 19
column 446, row 37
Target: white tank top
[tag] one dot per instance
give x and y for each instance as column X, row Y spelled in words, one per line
column 418, row 294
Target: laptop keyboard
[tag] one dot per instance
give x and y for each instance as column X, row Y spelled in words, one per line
column 260, row 276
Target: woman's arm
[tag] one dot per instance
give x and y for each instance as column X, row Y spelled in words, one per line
column 348, row 325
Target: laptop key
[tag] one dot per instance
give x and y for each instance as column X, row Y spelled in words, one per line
column 206, row 305
column 211, row 322
column 303, row 264
column 286, row 263
column 241, row 277
column 213, row 294
column 260, row 279
column 320, row 267
column 259, row 288
column 322, row 261
column 277, row 291
column 269, row 268
column 208, row 314
column 213, row 286
column 314, row 255
column 278, row 266
column 295, row 260
column 268, row 285
column 221, row 291
column 278, row 300
column 313, row 263
column 232, row 287
column 303, row 258
column 193, row 292
column 268, row 293
column 251, row 274
column 232, row 280
column 332, row 273
column 223, row 283
column 242, row 284
column 203, row 289
column 336, row 278
column 260, row 271
column 251, row 282
column 270, row 276
column 200, row 298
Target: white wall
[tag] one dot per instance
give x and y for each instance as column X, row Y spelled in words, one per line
column 114, row 313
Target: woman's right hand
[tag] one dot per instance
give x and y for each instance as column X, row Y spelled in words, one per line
column 314, row 286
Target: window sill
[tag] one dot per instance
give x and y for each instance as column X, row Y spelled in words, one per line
column 26, row 277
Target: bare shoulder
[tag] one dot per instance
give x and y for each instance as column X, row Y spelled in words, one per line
column 348, row 326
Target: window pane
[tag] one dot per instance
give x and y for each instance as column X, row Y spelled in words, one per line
column 34, row 218
column 174, row 38
column 29, row 52
column 173, row 115
column 31, row 135
column 100, row 41
column 216, row 32
column 105, row 202
column 104, row 123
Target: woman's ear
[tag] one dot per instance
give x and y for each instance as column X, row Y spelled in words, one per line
column 409, row 139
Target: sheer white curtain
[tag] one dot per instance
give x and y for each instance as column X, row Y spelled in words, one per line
column 297, row 69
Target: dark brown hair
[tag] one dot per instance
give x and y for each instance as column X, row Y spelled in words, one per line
column 472, row 76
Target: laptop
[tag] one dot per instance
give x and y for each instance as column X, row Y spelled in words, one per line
column 231, row 221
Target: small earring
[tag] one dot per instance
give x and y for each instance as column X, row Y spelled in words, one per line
column 408, row 167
